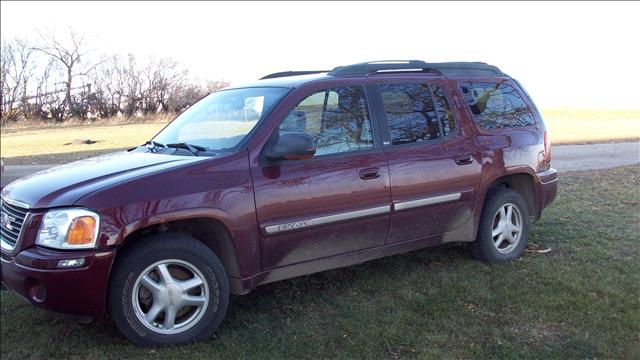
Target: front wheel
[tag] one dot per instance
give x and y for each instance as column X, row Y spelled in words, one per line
column 168, row 289
column 503, row 231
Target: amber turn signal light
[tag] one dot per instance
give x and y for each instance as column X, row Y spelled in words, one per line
column 81, row 231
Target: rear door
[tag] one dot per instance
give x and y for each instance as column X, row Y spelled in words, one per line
column 336, row 202
column 434, row 162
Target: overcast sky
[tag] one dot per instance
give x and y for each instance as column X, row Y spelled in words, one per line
column 565, row 54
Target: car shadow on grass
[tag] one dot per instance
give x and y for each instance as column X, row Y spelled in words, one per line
column 270, row 305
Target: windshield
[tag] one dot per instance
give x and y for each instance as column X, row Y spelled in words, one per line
column 221, row 120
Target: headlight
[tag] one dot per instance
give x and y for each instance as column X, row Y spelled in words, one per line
column 69, row 229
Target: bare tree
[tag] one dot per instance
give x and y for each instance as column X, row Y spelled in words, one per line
column 164, row 77
column 136, row 86
column 55, row 79
column 213, row 86
column 110, row 81
column 16, row 69
column 70, row 56
column 44, row 99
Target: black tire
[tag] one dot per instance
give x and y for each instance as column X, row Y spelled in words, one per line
column 483, row 247
column 156, row 249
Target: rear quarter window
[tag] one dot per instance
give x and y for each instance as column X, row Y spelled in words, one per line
column 496, row 106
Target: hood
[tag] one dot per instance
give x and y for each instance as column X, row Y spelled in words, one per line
column 65, row 184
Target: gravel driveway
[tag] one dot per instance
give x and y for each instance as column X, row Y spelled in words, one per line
column 594, row 156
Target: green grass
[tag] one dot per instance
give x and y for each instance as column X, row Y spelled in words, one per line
column 581, row 300
column 46, row 145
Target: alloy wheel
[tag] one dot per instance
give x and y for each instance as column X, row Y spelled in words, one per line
column 170, row 296
column 507, row 228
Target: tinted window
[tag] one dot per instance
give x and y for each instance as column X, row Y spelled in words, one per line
column 496, row 106
column 337, row 118
column 413, row 115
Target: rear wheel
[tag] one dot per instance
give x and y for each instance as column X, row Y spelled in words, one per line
column 504, row 227
column 168, row 289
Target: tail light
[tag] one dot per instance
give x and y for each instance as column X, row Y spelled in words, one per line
column 547, row 147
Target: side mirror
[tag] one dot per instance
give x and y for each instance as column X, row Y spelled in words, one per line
column 293, row 146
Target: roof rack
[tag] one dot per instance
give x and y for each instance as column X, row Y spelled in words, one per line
column 388, row 66
column 448, row 68
column 292, row 73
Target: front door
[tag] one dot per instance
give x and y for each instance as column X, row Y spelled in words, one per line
column 433, row 162
column 336, row 202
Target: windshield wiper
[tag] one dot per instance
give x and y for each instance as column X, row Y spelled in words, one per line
column 155, row 146
column 190, row 147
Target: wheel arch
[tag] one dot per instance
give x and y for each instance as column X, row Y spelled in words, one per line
column 522, row 182
column 209, row 230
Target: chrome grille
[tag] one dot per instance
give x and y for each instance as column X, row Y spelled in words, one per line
column 12, row 219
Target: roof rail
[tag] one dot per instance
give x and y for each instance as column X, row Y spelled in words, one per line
column 448, row 68
column 387, row 66
column 292, row 73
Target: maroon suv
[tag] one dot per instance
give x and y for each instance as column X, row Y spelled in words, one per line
column 297, row 173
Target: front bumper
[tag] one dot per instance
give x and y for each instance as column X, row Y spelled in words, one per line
column 546, row 189
column 33, row 274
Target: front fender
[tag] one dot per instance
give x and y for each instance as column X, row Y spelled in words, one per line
column 165, row 217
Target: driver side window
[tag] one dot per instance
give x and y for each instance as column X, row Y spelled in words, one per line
column 337, row 118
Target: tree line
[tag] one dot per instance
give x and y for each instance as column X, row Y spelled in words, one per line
column 57, row 79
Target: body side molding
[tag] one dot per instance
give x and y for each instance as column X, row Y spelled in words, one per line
column 426, row 201
column 279, row 228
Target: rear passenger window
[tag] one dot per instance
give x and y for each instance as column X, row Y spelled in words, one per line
column 337, row 118
column 413, row 114
column 496, row 106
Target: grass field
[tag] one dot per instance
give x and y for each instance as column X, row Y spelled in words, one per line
column 575, row 126
column 581, row 300
column 47, row 145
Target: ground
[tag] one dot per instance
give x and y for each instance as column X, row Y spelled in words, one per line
column 46, row 145
column 578, row 126
column 580, row 300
